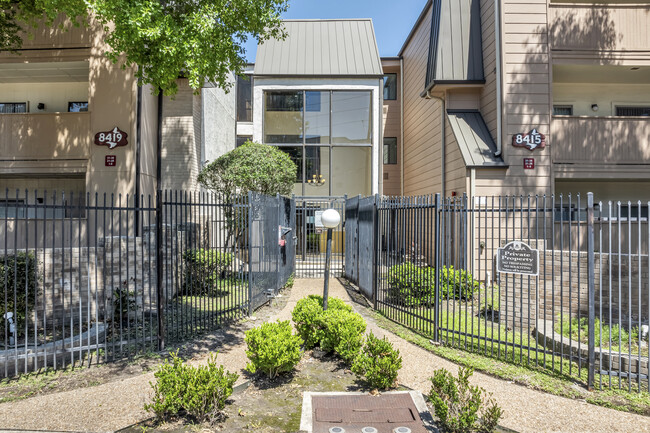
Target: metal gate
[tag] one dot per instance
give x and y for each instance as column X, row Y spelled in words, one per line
column 311, row 237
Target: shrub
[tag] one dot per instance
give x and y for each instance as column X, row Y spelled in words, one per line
column 378, row 362
column 342, row 333
column 411, row 285
column 204, row 269
column 272, row 348
column 20, row 272
column 462, row 408
column 306, row 316
column 201, row 391
column 125, row 305
column 313, row 242
column 457, row 284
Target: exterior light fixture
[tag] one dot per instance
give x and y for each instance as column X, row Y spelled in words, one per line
column 594, row 107
column 330, row 219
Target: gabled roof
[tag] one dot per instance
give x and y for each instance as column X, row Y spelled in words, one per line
column 474, row 139
column 455, row 46
column 321, row 48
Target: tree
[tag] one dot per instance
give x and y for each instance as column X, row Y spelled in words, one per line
column 201, row 40
column 250, row 167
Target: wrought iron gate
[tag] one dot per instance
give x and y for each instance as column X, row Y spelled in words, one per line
column 311, row 237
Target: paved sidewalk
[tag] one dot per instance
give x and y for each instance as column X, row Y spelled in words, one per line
column 115, row 405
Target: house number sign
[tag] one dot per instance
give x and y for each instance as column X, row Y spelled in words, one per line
column 531, row 140
column 518, row 258
column 112, row 139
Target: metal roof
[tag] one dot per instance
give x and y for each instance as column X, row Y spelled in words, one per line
column 474, row 139
column 321, row 48
column 455, row 46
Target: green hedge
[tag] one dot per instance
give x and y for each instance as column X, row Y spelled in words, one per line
column 412, row 285
column 19, row 285
column 204, row 270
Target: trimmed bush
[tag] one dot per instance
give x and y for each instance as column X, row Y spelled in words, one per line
column 411, row 285
column 19, row 273
column 306, row 316
column 378, row 362
column 204, row 269
column 272, row 348
column 462, row 408
column 342, row 333
column 200, row 392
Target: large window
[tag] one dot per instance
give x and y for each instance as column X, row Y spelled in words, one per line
column 390, row 87
column 13, row 107
column 283, row 117
column 632, row 111
column 245, row 99
column 390, row 150
column 351, row 118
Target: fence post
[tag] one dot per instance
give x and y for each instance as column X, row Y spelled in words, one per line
column 436, row 241
column 277, row 247
column 375, row 251
column 159, row 271
column 250, row 253
column 592, row 290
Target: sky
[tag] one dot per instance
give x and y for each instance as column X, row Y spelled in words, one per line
column 392, row 20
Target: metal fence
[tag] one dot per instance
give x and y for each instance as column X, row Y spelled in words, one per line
column 569, row 295
column 311, row 237
column 89, row 279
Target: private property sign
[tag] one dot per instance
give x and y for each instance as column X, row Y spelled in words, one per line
column 518, row 258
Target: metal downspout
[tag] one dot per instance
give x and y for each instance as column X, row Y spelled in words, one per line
column 499, row 90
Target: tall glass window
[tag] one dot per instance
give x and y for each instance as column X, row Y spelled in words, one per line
column 390, row 87
column 283, row 117
column 390, row 150
column 351, row 117
column 244, row 99
column 317, row 117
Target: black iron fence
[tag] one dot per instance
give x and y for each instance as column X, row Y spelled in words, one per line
column 88, row 278
column 554, row 282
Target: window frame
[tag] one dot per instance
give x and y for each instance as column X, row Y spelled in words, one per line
column 618, row 106
column 25, row 103
column 252, row 98
column 569, row 106
column 386, row 160
column 394, row 74
column 78, row 102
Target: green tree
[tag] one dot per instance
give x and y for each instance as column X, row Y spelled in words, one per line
column 250, row 167
column 201, row 40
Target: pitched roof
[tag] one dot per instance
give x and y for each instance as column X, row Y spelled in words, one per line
column 455, row 46
column 474, row 139
column 321, row 48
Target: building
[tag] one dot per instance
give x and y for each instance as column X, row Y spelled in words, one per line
column 501, row 97
column 317, row 95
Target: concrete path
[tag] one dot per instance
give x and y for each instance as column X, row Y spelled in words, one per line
column 112, row 406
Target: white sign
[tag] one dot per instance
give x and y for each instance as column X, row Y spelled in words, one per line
column 318, row 222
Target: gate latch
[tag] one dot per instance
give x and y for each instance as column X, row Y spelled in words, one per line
column 282, row 235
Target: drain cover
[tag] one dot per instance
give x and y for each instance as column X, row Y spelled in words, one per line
column 386, row 413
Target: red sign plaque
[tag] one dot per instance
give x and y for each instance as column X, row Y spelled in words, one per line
column 110, row 160
column 531, row 141
column 529, row 163
column 112, row 139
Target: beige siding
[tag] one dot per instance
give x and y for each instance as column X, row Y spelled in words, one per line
column 181, row 139
column 455, row 171
column 61, row 34
column 600, row 28
column 526, row 97
column 422, row 162
column 392, row 128
column 489, row 91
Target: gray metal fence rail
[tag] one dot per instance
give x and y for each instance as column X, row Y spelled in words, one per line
column 89, row 278
column 583, row 314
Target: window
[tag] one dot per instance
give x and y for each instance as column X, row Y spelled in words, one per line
column 13, row 107
column 241, row 139
column 76, row 107
column 283, row 117
column 563, row 110
column 317, row 117
column 390, row 87
column 632, row 111
column 351, row 117
column 244, row 99
column 390, row 150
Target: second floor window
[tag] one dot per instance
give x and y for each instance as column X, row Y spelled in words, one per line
column 632, row 111
column 390, row 150
column 390, row 87
column 245, row 99
column 563, row 110
column 13, row 107
column 77, row 107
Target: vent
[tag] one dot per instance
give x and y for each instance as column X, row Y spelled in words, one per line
column 369, row 430
column 402, row 430
column 337, row 430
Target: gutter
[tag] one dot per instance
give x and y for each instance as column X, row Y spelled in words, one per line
column 138, row 145
column 401, row 122
column 499, row 90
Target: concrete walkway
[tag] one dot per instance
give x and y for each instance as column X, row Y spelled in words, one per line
column 115, row 405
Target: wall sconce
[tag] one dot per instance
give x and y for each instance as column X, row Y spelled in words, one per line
column 594, row 107
column 40, row 106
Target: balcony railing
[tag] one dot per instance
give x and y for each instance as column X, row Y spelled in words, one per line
column 585, row 139
column 603, row 28
column 45, row 135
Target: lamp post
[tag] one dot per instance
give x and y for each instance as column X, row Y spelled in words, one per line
column 330, row 219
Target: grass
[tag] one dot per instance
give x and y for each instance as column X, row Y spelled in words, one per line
column 622, row 340
column 556, row 376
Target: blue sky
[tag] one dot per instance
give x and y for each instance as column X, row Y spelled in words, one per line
column 393, row 20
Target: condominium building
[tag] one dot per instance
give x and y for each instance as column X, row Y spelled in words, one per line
column 505, row 97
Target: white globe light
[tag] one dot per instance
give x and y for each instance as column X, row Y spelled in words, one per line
column 330, row 218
